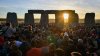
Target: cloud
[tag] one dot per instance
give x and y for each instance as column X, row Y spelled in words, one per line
column 21, row 6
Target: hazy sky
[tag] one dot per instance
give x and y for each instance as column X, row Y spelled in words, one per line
column 21, row 6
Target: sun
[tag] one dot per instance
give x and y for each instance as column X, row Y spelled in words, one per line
column 65, row 17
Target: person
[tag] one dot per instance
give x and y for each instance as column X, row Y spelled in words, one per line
column 52, row 49
column 45, row 48
column 14, row 51
column 81, row 47
column 1, row 42
column 59, row 52
column 35, row 50
column 8, row 31
column 59, row 42
column 75, row 54
column 1, row 45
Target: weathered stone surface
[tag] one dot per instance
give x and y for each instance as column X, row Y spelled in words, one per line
column 44, row 20
column 73, row 18
column 12, row 18
column 90, row 19
column 59, row 20
column 29, row 19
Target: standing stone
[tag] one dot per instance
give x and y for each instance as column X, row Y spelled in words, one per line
column 70, row 19
column 73, row 19
column 12, row 18
column 56, row 19
column 59, row 20
column 44, row 20
column 76, row 18
column 90, row 19
column 29, row 19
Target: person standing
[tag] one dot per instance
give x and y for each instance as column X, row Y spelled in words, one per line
column 8, row 31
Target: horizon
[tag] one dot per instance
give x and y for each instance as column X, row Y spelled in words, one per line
column 51, row 20
column 22, row 6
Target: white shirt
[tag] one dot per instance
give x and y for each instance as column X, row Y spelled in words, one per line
column 66, row 34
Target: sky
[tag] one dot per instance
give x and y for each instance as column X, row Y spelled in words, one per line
column 22, row 6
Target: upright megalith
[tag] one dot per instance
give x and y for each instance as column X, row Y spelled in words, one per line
column 76, row 18
column 12, row 18
column 90, row 19
column 29, row 19
column 73, row 19
column 44, row 20
column 59, row 17
column 59, row 20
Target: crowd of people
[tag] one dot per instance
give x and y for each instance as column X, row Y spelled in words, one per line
column 36, row 41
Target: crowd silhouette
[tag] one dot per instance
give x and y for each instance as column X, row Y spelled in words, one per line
column 36, row 41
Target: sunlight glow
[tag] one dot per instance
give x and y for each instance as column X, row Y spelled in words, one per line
column 65, row 17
